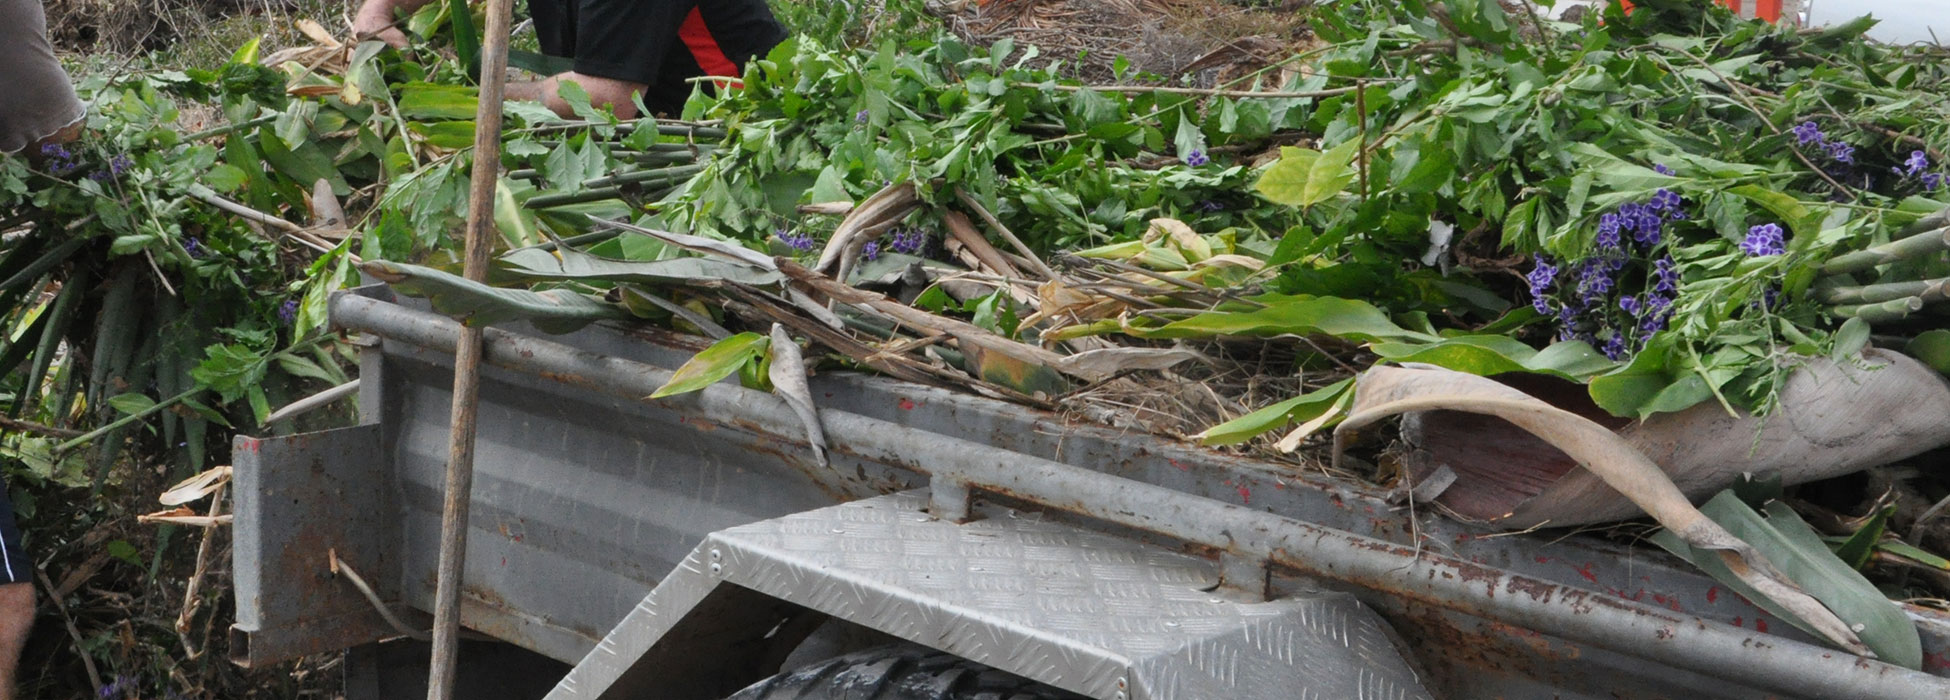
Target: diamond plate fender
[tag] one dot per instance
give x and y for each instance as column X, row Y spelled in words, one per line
column 1096, row 614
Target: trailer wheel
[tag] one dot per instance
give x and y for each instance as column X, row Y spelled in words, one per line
column 900, row 672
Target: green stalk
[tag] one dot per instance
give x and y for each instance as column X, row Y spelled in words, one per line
column 1930, row 290
column 645, row 177
column 47, row 261
column 50, row 342
column 119, row 423
column 1925, row 243
column 585, row 197
column 1883, row 312
column 229, row 128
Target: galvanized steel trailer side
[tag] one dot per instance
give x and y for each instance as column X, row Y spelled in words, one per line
column 588, row 496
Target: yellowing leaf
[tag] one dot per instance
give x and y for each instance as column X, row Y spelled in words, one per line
column 1304, row 177
column 714, row 363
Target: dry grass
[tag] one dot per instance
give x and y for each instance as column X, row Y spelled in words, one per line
column 1209, row 40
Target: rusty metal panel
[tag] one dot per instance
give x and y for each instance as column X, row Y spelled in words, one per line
column 299, row 498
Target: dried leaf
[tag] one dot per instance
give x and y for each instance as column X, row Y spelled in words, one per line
column 1179, row 236
column 196, row 487
column 1100, row 364
column 788, row 375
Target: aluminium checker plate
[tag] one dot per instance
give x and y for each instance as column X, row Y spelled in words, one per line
column 1100, row 615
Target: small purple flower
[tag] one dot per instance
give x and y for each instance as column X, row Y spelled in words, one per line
column 799, row 241
column 1211, row 205
column 119, row 164
column 1658, row 311
column 909, row 241
column 1629, row 304
column 1541, row 304
column 1196, row 158
column 1841, row 152
column 1541, row 276
column 1608, row 226
column 115, row 687
column 1765, row 239
column 1916, row 164
column 1661, row 169
column 288, row 311
column 1614, row 348
column 194, row 246
column 871, row 251
column 860, row 117
column 1771, row 299
column 1665, row 276
column 1666, row 200
column 1931, row 181
column 56, row 151
column 1808, row 132
column 100, row 175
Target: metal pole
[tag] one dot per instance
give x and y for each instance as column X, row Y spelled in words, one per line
column 467, row 356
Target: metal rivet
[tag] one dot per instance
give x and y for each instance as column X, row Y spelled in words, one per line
column 716, row 567
column 716, row 555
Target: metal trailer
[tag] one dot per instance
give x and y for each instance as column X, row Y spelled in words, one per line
column 690, row 546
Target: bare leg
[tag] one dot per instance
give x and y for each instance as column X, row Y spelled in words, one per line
column 16, row 619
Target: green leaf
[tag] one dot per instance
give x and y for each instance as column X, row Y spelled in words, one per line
column 1933, row 348
column 1488, row 355
column 121, row 549
column 1304, row 177
column 714, row 363
column 301, row 367
column 225, row 178
column 1850, row 339
column 1304, row 407
column 1343, row 318
column 1798, row 552
column 436, row 102
column 131, row 404
column 1861, row 545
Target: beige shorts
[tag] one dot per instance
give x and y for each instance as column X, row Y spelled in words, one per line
column 36, row 99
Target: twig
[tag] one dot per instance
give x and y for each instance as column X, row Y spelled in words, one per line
column 1209, row 92
column 1741, row 95
column 228, row 128
column 191, row 602
column 84, row 438
column 313, row 402
column 60, row 606
column 17, row 425
column 1007, row 235
column 297, row 232
column 340, row 568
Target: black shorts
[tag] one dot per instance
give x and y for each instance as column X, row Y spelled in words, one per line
column 659, row 43
column 14, row 566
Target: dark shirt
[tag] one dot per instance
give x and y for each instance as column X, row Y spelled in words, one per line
column 659, row 43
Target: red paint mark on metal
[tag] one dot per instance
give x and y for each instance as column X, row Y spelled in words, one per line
column 1671, row 602
column 1760, row 624
column 1587, row 573
column 1936, row 661
column 1180, row 465
column 1737, row 621
column 908, row 404
column 1543, row 560
column 1245, row 495
column 1712, row 594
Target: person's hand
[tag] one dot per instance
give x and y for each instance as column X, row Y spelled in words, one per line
column 375, row 21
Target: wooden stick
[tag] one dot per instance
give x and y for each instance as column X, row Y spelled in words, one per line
column 1007, row 235
column 1209, row 92
column 467, row 357
column 22, row 426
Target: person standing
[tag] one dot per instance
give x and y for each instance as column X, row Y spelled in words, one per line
column 621, row 48
column 38, row 107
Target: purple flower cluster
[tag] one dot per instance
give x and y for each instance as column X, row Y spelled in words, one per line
column 1917, row 166
column 60, row 161
column 194, row 246
column 1646, row 221
column 1765, row 239
column 870, row 251
column 1197, row 158
column 908, row 241
column 116, row 166
column 799, row 241
column 860, row 117
column 1661, row 169
column 1809, row 134
column 1540, row 279
column 1589, row 298
column 288, row 311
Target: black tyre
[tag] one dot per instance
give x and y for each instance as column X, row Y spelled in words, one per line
column 899, row 672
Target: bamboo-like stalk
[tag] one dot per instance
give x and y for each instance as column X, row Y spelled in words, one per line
column 1929, row 241
column 586, row 196
column 1929, row 290
column 1882, row 312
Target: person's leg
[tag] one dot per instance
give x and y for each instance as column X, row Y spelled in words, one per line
column 16, row 618
column 16, row 598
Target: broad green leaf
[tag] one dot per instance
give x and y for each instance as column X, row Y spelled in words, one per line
column 1300, row 408
column 714, row 363
column 225, row 178
column 1850, row 339
column 301, row 367
column 1489, row 355
column 476, row 304
column 1343, row 318
column 517, row 225
column 131, row 404
column 435, row 102
column 1856, row 550
column 1933, row 348
column 451, row 135
column 1798, row 552
column 570, row 264
column 1304, row 177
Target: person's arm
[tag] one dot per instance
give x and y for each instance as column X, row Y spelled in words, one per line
column 616, row 94
column 375, row 19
